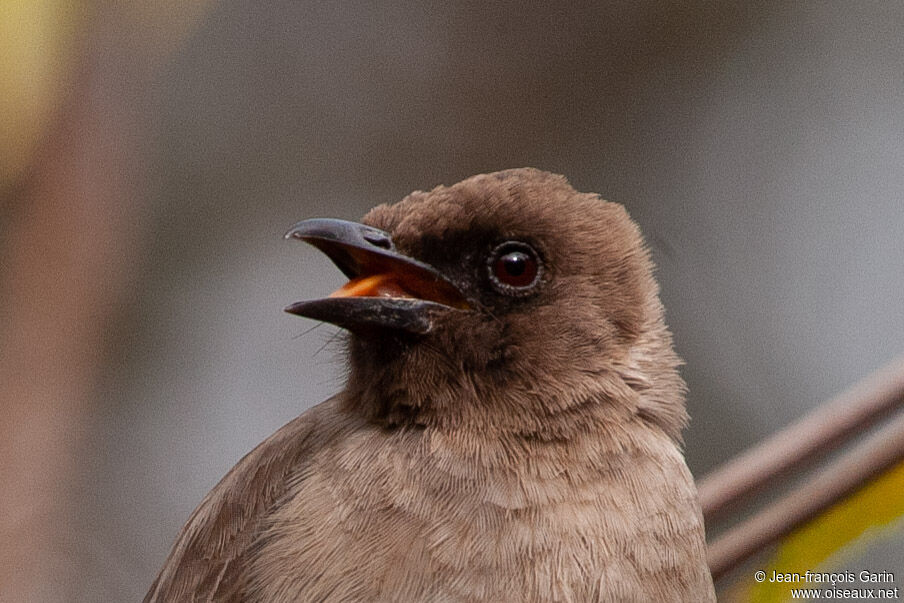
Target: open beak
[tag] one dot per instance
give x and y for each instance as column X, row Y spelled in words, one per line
column 386, row 290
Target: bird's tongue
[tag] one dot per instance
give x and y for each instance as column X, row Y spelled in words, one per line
column 376, row 285
column 389, row 284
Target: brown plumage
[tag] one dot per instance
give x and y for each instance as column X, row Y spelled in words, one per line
column 515, row 437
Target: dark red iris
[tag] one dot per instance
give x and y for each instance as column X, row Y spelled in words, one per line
column 514, row 265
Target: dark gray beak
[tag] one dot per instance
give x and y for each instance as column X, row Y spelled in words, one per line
column 387, row 290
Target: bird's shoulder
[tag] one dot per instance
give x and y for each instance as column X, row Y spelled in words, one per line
column 209, row 558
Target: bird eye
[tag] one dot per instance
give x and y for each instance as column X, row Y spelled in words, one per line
column 514, row 268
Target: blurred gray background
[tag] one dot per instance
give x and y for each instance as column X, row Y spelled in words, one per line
column 759, row 146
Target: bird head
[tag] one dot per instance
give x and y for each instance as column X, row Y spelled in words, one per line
column 508, row 301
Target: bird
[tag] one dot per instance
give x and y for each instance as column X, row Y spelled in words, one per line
column 509, row 430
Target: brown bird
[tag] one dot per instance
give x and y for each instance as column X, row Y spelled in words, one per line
column 510, row 428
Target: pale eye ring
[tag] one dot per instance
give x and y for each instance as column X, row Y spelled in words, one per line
column 514, row 268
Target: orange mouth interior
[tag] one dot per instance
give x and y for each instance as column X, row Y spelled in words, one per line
column 390, row 285
column 376, row 285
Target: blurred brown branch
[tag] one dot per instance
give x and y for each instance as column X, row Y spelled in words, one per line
column 792, row 449
column 71, row 239
column 804, row 442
